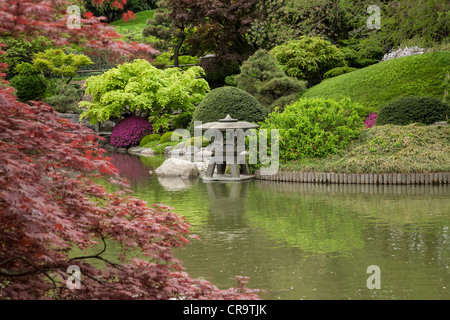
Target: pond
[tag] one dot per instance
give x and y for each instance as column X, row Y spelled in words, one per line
column 308, row 241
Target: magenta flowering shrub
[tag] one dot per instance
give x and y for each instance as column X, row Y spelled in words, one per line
column 370, row 121
column 129, row 132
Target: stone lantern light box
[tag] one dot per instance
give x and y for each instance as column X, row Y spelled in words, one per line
column 229, row 149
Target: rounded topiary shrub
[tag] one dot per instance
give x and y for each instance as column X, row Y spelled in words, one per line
column 130, row 131
column 28, row 87
column 237, row 103
column 423, row 110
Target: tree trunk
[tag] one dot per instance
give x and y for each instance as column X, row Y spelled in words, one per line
column 176, row 56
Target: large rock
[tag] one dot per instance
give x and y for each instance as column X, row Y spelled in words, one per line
column 173, row 167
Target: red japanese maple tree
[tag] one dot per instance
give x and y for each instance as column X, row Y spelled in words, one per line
column 52, row 212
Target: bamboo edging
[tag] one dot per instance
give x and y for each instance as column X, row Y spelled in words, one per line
column 358, row 178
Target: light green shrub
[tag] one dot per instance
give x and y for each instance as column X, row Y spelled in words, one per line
column 308, row 58
column 315, row 127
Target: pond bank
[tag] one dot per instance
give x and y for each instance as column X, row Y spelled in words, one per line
column 358, row 178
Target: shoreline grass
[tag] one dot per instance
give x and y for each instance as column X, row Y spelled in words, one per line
column 387, row 149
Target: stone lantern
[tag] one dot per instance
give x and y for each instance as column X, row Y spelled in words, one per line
column 226, row 149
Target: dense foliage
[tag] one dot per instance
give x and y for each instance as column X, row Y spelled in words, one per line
column 54, row 68
column 423, row 110
column 284, row 20
column 308, row 58
column 379, row 84
column 424, row 22
column 130, row 131
column 237, row 103
column 140, row 88
column 67, row 101
column 219, row 27
column 315, row 127
column 18, row 51
column 28, row 87
column 266, row 81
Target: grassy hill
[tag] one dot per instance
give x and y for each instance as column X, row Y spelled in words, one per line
column 375, row 86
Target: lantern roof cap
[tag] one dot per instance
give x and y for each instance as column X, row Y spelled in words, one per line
column 228, row 123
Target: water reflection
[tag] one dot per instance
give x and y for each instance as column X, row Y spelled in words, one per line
column 307, row 241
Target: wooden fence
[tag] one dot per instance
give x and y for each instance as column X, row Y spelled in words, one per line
column 355, row 178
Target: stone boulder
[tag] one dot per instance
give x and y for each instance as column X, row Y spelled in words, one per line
column 173, row 167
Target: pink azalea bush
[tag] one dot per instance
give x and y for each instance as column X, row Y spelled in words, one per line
column 130, row 131
column 370, row 121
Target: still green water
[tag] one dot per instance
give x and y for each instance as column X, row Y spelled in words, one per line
column 308, row 241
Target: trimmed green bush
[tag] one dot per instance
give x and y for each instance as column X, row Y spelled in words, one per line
column 315, row 127
column 229, row 100
column 149, row 138
column 423, row 110
column 28, row 87
column 338, row 71
column 384, row 82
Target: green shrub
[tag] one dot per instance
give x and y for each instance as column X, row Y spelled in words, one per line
column 282, row 102
column 149, row 138
column 140, row 87
column 231, row 81
column 265, row 80
column 315, row 127
column 229, row 100
column 338, row 71
column 28, row 87
column 182, row 120
column 423, row 110
column 20, row 50
column 169, row 136
column 67, row 100
column 308, row 58
column 384, row 82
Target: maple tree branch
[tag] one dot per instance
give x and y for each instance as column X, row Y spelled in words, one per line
column 20, row 273
column 97, row 256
